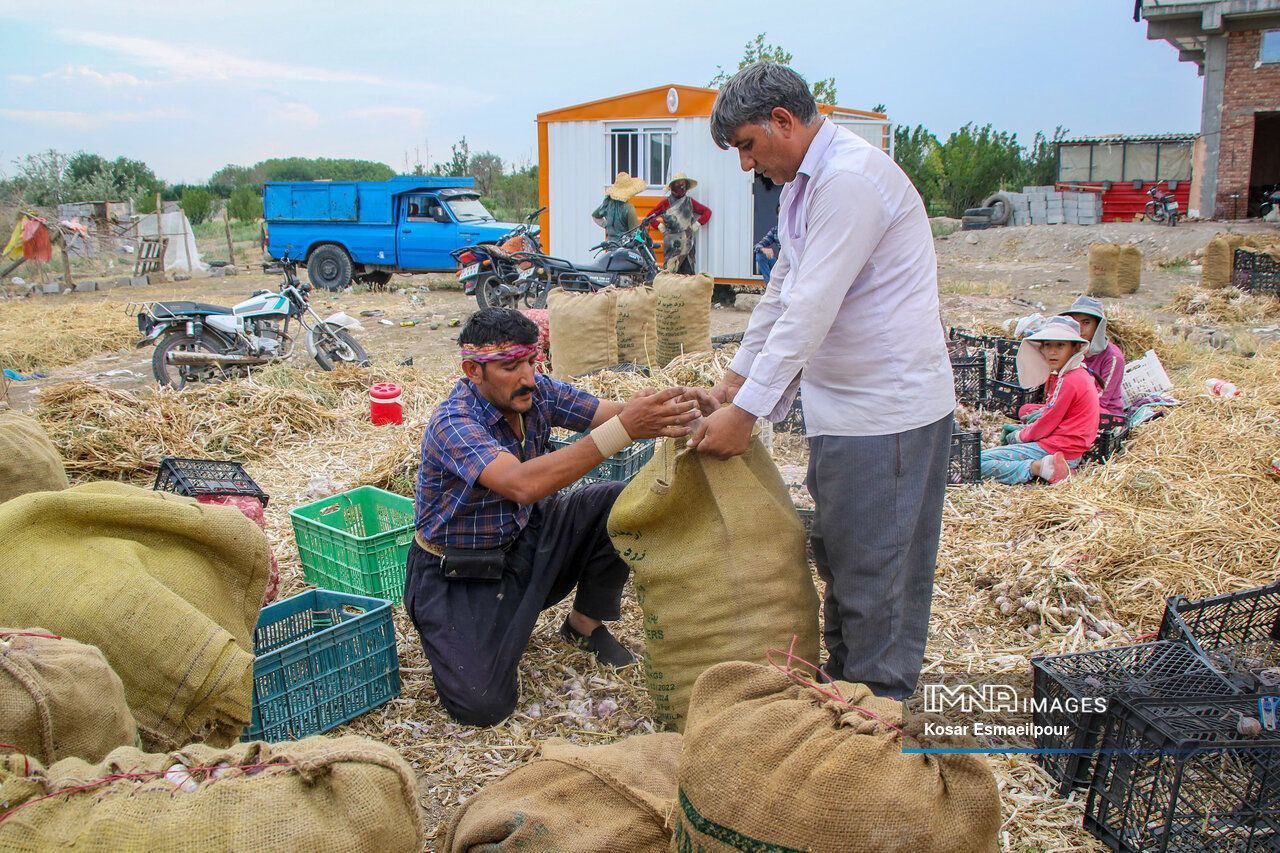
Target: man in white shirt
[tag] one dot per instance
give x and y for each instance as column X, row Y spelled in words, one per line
column 850, row 317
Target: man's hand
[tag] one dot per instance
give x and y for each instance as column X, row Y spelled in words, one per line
column 768, row 253
column 725, row 434
column 655, row 414
column 697, row 226
column 727, row 388
column 707, row 404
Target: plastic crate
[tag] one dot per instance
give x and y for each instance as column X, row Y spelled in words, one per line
column 195, row 477
column 966, row 341
column 1144, row 377
column 323, row 658
column 356, row 541
column 1005, row 346
column 965, row 463
column 1236, row 632
column 970, row 374
column 1009, row 397
column 618, row 468
column 1161, row 669
column 718, row 341
column 1256, row 271
column 1004, row 368
column 1176, row 775
column 793, row 422
column 1108, row 443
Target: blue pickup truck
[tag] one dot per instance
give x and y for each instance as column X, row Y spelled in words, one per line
column 364, row 231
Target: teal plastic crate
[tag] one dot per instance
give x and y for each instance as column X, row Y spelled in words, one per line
column 356, row 541
column 323, row 658
column 618, row 468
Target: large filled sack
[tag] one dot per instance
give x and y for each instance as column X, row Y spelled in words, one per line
column 769, row 764
column 1129, row 268
column 168, row 589
column 683, row 314
column 347, row 793
column 28, row 460
column 1215, row 273
column 717, row 554
column 1104, row 270
column 615, row 797
column 584, row 331
column 59, row 698
column 637, row 326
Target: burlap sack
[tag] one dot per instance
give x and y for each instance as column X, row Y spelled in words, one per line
column 770, row 765
column 1129, row 268
column 615, row 798
column 637, row 326
column 584, row 331
column 28, row 460
column 59, row 698
column 1215, row 273
column 1104, row 269
column 683, row 314
column 348, row 793
column 717, row 554
column 168, row 589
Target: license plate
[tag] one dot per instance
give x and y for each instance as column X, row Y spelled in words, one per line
column 468, row 271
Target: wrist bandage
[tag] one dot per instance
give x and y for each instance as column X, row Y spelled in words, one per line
column 610, row 437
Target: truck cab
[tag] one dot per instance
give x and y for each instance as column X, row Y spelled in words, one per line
column 364, row 231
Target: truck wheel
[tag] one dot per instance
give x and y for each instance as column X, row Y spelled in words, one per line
column 329, row 267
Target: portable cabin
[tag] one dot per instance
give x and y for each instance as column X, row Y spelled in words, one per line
column 656, row 133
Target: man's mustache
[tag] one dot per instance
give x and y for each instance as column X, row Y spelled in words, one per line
column 522, row 391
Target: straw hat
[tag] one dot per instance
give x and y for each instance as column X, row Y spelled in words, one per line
column 1033, row 369
column 624, row 187
column 681, row 176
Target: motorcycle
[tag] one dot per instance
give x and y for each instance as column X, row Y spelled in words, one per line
column 1163, row 207
column 484, row 267
column 208, row 343
column 1269, row 208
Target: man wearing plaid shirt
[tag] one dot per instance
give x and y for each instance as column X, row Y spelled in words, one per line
column 496, row 541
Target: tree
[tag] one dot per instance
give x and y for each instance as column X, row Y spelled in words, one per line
column 51, row 178
column 757, row 50
column 459, row 160
column 1040, row 165
column 245, row 204
column 975, row 162
column 195, row 203
column 486, row 168
column 234, row 176
column 917, row 152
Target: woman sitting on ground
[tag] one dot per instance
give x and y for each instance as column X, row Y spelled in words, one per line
column 1103, row 358
column 1067, row 424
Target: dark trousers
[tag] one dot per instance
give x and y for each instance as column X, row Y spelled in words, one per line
column 875, row 539
column 474, row 632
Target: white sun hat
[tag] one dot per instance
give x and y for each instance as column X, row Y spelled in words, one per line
column 1033, row 370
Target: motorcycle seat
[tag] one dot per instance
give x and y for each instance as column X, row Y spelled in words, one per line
column 160, row 309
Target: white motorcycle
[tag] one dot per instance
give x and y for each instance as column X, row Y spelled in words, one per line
column 208, row 343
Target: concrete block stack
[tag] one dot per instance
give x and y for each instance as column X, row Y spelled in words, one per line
column 1048, row 207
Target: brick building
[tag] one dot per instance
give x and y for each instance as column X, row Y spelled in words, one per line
column 1235, row 45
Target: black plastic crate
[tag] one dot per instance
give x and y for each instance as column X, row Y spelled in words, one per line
column 966, row 341
column 794, row 420
column 970, row 372
column 1108, row 443
column 1004, row 368
column 1106, row 421
column 1239, row 633
column 1005, row 346
column 1164, row 669
column 1177, row 775
column 195, row 477
column 1009, row 397
column 1256, row 272
column 718, row 341
column 965, row 463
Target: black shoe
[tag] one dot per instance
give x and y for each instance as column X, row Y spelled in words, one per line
column 601, row 643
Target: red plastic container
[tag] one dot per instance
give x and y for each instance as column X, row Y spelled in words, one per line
column 384, row 404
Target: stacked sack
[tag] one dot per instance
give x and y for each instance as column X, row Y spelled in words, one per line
column 344, row 793
column 28, row 460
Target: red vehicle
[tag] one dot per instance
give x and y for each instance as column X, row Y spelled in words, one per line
column 1163, row 207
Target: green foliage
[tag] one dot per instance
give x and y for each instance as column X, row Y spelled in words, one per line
column 196, row 202
column 145, row 203
column 51, row 177
column 1040, row 163
column 245, row 204
column 232, row 177
column 514, row 194
column 757, row 50
column 459, row 162
column 918, row 153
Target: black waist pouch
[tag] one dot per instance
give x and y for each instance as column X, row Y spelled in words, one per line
column 467, row 564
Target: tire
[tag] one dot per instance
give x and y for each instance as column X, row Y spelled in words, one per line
column 329, row 267
column 171, row 376
column 1001, row 205
column 979, row 211
column 328, row 355
column 485, row 295
column 376, row 279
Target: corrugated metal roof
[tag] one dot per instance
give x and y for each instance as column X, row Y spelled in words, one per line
column 1114, row 138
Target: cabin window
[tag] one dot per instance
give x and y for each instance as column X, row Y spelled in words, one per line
column 641, row 152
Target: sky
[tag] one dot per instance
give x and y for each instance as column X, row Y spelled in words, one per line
column 189, row 87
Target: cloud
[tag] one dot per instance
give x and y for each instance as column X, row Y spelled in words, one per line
column 81, row 120
column 85, row 73
column 413, row 117
column 292, row 112
column 204, row 63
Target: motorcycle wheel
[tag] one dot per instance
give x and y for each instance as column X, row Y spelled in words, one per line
column 487, row 293
column 334, row 346
column 177, row 377
column 539, row 298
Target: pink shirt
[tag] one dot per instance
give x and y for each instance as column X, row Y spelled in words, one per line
column 1069, row 423
column 1108, row 366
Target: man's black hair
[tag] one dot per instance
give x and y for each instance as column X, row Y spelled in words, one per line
column 490, row 326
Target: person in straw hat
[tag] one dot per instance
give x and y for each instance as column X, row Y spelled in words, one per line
column 1103, row 358
column 615, row 214
column 1052, row 445
column 679, row 219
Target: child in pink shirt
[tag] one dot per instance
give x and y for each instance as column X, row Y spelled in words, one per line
column 1103, row 358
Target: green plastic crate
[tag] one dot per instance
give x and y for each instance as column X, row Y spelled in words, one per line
column 356, row 541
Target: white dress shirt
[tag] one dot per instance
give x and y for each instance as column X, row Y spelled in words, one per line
column 851, row 313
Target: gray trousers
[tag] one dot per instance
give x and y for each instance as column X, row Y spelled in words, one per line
column 875, row 540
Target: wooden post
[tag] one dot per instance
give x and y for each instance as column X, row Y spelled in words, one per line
column 226, row 223
column 186, row 247
column 160, row 224
column 66, row 259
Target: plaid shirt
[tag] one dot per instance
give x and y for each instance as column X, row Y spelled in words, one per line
column 465, row 434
